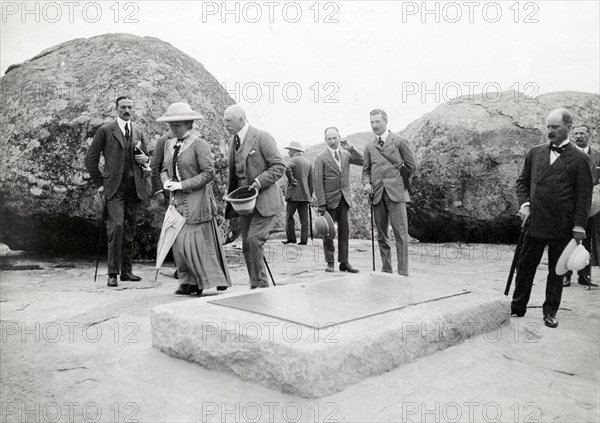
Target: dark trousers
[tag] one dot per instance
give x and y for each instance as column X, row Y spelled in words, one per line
column 339, row 215
column 290, row 229
column 255, row 230
column 531, row 255
column 387, row 211
column 120, row 227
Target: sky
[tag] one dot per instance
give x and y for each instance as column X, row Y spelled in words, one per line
column 299, row 67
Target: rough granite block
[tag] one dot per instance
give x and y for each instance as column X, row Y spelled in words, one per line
column 314, row 362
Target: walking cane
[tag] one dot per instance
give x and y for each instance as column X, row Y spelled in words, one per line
column 513, row 266
column 310, row 221
column 269, row 269
column 104, row 213
column 372, row 236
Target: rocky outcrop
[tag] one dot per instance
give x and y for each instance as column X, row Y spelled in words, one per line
column 470, row 152
column 53, row 104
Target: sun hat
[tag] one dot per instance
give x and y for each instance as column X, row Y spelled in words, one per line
column 574, row 257
column 178, row 112
column 294, row 145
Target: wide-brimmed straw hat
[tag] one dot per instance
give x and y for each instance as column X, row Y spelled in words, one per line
column 295, row 145
column 324, row 226
column 179, row 112
column 574, row 257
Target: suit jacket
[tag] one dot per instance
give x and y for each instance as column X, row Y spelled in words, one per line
column 300, row 169
column 331, row 183
column 595, row 156
column 381, row 173
column 110, row 141
column 157, row 162
column 560, row 194
column 195, row 200
column 263, row 162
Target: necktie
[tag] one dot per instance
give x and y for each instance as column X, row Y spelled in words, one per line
column 236, row 139
column 380, row 142
column 127, row 133
column 337, row 156
column 175, row 158
column 558, row 150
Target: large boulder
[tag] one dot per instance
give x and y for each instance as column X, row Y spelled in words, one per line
column 470, row 152
column 53, row 104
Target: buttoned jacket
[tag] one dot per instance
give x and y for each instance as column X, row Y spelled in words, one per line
column 110, row 142
column 332, row 183
column 262, row 161
column 382, row 173
column 560, row 194
column 195, row 201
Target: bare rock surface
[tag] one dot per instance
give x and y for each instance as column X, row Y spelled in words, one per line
column 53, row 104
column 66, row 340
column 470, row 152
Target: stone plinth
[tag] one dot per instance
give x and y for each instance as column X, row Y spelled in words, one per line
column 311, row 353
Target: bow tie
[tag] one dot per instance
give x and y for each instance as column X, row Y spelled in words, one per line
column 558, row 150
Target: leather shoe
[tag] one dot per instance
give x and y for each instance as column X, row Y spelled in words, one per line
column 330, row 268
column 550, row 321
column 586, row 280
column 515, row 314
column 566, row 280
column 347, row 267
column 288, row 242
column 129, row 277
column 193, row 289
column 182, row 290
column 222, row 288
column 255, row 287
column 112, row 281
column 303, row 243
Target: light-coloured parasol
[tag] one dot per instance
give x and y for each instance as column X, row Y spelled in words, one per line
column 172, row 224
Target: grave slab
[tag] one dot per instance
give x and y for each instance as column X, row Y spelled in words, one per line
column 316, row 338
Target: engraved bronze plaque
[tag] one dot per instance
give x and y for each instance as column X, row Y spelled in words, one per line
column 341, row 299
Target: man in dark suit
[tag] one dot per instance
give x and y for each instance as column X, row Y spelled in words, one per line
column 298, row 195
column 122, row 184
column 581, row 136
column 555, row 193
column 332, row 189
column 387, row 157
column 254, row 161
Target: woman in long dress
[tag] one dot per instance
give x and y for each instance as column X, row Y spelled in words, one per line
column 187, row 172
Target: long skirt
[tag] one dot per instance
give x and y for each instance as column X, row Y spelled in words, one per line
column 199, row 256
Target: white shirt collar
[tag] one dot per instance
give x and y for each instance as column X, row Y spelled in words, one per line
column 383, row 136
column 585, row 150
column 243, row 132
column 122, row 123
column 332, row 151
